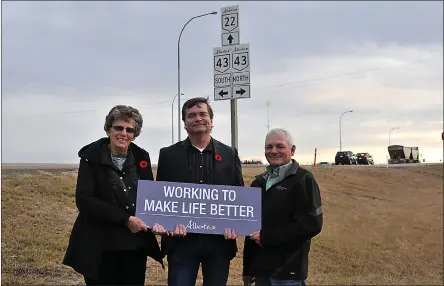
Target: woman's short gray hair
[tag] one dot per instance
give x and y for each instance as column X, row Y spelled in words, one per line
column 124, row 112
column 275, row 131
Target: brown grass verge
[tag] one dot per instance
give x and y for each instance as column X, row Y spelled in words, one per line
column 382, row 226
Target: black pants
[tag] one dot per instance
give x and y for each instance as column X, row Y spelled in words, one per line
column 121, row 268
column 184, row 260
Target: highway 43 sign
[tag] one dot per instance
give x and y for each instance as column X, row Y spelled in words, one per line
column 232, row 72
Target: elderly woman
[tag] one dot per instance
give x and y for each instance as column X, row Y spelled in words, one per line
column 108, row 244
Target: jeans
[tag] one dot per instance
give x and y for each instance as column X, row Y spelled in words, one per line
column 184, row 260
column 270, row 281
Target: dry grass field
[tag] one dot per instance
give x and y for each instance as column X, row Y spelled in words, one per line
column 381, row 226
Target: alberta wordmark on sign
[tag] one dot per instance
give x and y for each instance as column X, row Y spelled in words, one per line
column 201, row 208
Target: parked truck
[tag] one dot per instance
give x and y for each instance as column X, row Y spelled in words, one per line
column 403, row 155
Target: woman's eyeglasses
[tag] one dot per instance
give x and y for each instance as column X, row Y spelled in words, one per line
column 120, row 129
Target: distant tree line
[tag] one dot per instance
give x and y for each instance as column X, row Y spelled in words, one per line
column 253, row 162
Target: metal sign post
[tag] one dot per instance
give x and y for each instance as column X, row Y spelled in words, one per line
column 231, row 66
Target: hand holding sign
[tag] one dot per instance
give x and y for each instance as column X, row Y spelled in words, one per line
column 179, row 231
column 136, row 224
column 256, row 236
column 230, row 234
column 158, row 229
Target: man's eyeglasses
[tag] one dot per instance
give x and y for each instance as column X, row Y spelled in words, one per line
column 119, row 128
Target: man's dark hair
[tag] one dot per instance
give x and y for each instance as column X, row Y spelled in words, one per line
column 196, row 101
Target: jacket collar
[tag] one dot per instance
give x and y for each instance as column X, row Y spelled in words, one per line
column 290, row 171
column 98, row 151
column 214, row 144
column 187, row 144
column 107, row 160
column 280, row 169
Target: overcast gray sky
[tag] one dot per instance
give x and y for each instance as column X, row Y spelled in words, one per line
column 65, row 64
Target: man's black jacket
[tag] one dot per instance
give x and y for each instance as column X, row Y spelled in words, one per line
column 173, row 166
column 291, row 216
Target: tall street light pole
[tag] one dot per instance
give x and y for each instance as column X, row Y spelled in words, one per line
column 394, row 128
column 172, row 119
column 340, row 129
column 178, row 69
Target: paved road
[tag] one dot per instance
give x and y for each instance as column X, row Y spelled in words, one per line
column 385, row 165
column 51, row 166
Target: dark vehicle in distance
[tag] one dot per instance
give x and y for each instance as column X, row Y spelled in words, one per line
column 345, row 158
column 403, row 155
column 364, row 159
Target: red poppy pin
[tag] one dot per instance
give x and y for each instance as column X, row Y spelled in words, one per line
column 218, row 157
column 143, row 164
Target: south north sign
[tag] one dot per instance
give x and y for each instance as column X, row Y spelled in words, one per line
column 240, row 78
column 226, row 79
column 231, row 69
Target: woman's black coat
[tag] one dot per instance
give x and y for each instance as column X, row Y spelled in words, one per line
column 106, row 198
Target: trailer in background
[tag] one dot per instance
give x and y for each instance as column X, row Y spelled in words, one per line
column 403, row 155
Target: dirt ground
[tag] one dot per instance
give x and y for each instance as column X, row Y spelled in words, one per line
column 381, row 226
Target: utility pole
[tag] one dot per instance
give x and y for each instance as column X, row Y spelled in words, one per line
column 178, row 70
column 390, row 132
column 172, row 119
column 340, row 129
column 233, row 107
column 268, row 116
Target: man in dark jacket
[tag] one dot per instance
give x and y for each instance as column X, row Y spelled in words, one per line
column 291, row 215
column 199, row 159
column 108, row 244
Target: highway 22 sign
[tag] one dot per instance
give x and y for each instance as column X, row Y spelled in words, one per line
column 230, row 25
column 232, row 72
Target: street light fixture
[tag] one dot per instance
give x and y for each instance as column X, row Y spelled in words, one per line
column 394, row 128
column 340, row 129
column 178, row 69
column 172, row 119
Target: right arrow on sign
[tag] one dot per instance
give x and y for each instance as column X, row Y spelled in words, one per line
column 241, row 91
column 222, row 93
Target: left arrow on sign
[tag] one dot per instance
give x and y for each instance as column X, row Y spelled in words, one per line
column 222, row 93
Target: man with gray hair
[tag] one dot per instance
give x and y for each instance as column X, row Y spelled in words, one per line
column 277, row 254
